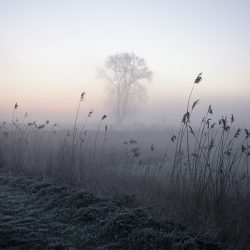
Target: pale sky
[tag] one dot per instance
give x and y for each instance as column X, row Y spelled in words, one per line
column 50, row 51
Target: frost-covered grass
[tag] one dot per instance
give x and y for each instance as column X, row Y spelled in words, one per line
column 42, row 215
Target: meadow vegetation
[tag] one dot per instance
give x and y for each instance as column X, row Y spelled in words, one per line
column 200, row 178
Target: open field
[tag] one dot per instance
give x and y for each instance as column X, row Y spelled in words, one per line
column 199, row 177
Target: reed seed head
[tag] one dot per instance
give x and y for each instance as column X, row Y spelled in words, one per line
column 41, row 126
column 232, row 118
column 82, row 95
column 90, row 113
column 210, row 111
column 104, row 117
column 237, row 133
column 195, row 103
column 198, row 78
column 132, row 141
column 247, row 133
column 173, row 138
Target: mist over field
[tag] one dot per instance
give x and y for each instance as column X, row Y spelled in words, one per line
column 51, row 51
column 124, row 125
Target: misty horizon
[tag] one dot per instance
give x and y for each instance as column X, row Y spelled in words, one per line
column 50, row 53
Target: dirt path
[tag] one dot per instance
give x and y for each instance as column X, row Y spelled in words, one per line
column 36, row 215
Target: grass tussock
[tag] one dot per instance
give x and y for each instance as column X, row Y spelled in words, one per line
column 85, row 221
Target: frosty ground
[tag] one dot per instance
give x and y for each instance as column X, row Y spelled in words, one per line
column 40, row 215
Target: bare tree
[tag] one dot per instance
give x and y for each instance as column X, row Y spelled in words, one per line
column 125, row 74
